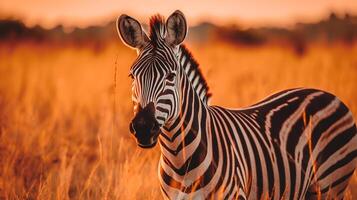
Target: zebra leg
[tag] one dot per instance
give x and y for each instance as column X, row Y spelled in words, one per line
column 332, row 187
column 333, row 176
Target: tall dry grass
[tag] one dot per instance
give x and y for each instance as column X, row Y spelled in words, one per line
column 64, row 120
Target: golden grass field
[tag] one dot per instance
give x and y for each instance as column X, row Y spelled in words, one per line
column 65, row 111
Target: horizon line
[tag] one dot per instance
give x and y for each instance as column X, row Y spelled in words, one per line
column 104, row 21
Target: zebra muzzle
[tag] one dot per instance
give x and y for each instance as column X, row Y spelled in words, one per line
column 145, row 127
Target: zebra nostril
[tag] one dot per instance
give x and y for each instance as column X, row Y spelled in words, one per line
column 140, row 122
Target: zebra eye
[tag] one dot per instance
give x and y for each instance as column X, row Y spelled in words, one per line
column 131, row 76
column 170, row 77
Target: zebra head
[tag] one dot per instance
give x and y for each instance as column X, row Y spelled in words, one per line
column 155, row 73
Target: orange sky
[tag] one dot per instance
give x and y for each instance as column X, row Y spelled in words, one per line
column 245, row 12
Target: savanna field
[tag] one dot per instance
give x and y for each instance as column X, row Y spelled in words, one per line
column 65, row 110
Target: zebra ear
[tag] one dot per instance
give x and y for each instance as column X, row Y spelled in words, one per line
column 131, row 32
column 176, row 28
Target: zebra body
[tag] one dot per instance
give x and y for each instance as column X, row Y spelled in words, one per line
column 297, row 144
column 280, row 148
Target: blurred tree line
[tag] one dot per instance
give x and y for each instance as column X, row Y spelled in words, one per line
column 332, row 29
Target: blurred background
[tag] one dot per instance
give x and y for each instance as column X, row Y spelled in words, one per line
column 65, row 101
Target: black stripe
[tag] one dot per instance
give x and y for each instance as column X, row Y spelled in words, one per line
column 339, row 164
column 334, row 145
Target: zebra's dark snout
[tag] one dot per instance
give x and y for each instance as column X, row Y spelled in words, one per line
column 145, row 127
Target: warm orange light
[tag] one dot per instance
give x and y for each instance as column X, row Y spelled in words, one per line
column 256, row 12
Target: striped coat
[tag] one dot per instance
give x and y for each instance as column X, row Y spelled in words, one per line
column 296, row 144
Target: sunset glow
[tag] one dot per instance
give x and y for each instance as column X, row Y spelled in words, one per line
column 83, row 97
column 82, row 13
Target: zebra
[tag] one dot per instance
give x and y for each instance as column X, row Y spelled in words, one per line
column 300, row 143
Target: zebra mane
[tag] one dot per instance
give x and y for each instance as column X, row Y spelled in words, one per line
column 194, row 73
column 189, row 64
column 157, row 27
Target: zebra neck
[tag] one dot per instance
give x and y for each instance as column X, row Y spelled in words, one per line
column 185, row 136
